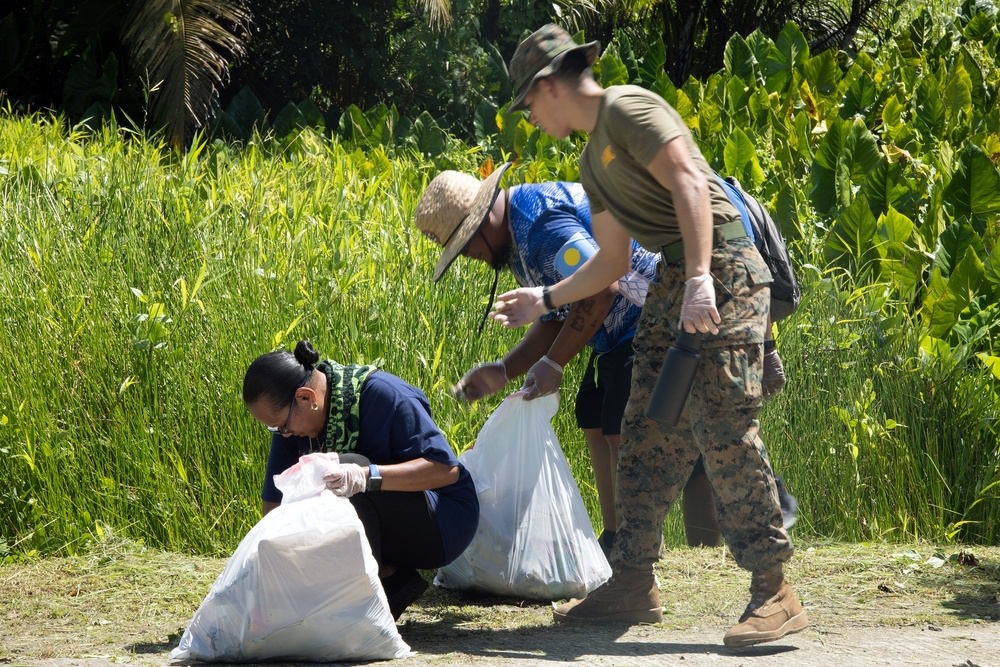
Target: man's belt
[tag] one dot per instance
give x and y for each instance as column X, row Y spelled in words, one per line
column 721, row 233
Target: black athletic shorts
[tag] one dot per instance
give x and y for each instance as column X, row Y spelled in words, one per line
column 601, row 400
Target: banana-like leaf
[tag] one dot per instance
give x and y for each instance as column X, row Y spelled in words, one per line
column 954, row 243
column 849, row 243
column 860, row 97
column 613, row 70
column 958, row 101
column 930, row 112
column 739, row 59
column 184, row 47
column 884, row 186
column 945, row 301
column 975, row 186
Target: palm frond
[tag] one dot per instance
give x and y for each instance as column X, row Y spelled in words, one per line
column 832, row 25
column 438, row 12
column 185, row 47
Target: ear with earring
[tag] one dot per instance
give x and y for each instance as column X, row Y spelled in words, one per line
column 315, row 407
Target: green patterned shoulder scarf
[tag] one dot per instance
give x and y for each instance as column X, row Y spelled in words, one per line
column 343, row 419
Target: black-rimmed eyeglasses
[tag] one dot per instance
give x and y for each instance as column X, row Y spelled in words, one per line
column 283, row 429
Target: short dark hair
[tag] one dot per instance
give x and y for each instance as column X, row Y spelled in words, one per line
column 573, row 67
column 276, row 376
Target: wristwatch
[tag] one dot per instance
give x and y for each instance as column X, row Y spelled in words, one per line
column 374, row 479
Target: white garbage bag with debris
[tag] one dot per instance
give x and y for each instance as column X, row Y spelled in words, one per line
column 302, row 585
column 535, row 539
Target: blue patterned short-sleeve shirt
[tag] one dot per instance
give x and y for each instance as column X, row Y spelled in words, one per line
column 551, row 231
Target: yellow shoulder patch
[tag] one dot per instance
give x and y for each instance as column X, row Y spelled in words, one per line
column 607, row 156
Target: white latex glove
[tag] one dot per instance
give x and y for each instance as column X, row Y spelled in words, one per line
column 698, row 312
column 346, row 479
column 519, row 307
column 542, row 379
column 481, row 381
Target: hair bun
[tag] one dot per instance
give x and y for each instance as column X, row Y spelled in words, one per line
column 305, row 354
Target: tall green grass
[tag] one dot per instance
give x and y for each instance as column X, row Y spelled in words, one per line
column 138, row 285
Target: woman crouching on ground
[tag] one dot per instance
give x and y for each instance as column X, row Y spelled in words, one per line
column 418, row 504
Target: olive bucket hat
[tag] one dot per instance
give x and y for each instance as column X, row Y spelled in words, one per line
column 540, row 55
column 453, row 208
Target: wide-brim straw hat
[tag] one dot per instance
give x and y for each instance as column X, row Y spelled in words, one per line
column 453, row 208
column 540, row 55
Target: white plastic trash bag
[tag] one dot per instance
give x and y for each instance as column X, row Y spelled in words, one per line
column 302, row 586
column 534, row 539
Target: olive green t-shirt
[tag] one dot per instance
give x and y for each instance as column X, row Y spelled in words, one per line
column 633, row 124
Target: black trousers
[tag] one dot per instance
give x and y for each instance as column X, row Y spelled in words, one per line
column 400, row 526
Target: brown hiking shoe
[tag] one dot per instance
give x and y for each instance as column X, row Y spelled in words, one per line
column 629, row 596
column 774, row 611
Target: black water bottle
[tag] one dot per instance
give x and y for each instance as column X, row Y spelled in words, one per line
column 675, row 380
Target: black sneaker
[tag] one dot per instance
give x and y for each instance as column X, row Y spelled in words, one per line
column 607, row 542
column 402, row 588
column 789, row 505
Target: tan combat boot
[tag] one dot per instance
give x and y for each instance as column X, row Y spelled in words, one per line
column 629, row 596
column 774, row 611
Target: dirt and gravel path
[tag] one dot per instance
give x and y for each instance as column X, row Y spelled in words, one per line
column 916, row 605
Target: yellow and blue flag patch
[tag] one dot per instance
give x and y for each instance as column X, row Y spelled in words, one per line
column 571, row 256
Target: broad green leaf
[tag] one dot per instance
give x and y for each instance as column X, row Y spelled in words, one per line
column 288, row 120
column 247, row 111
column 884, row 186
column 652, row 63
column 628, row 59
column 930, row 111
column 849, row 242
column 427, row 137
column 760, row 46
column 792, row 49
column 922, row 29
column 740, row 158
column 963, row 284
column 738, row 58
column 709, row 122
column 686, row 110
column 86, row 83
column 991, row 267
column 991, row 362
column 892, row 111
column 665, row 88
column 313, row 116
column 823, row 73
column 979, row 29
column 958, row 98
column 485, row 122
column 975, row 185
column 824, row 189
column 894, row 227
column 738, row 94
column 353, row 124
column 858, row 157
column 613, row 71
column 975, row 73
column 860, row 97
column 901, row 265
column 954, row 243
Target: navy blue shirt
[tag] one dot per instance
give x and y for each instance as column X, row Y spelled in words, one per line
column 396, row 426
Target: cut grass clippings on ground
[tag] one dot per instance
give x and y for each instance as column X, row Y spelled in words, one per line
column 123, row 599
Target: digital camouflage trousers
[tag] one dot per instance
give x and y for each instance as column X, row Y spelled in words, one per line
column 719, row 420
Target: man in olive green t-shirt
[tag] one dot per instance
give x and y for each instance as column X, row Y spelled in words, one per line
column 646, row 180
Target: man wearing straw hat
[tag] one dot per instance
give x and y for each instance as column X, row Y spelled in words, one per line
column 646, row 180
column 542, row 233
